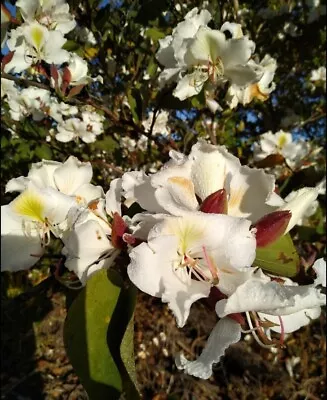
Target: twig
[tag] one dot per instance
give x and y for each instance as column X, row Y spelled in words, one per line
column 182, row 345
column 25, row 82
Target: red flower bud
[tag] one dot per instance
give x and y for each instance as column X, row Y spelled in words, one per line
column 118, row 229
column 215, row 203
column 271, row 227
column 66, row 78
column 6, row 59
column 54, row 74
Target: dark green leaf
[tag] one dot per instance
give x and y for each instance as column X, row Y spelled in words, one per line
column 85, row 335
column 43, row 152
column 99, row 337
column 135, row 102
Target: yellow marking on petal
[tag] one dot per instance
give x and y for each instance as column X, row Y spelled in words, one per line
column 79, row 199
column 187, row 232
column 282, row 140
column 235, row 199
column 37, row 37
column 29, row 204
column 183, row 183
column 255, row 92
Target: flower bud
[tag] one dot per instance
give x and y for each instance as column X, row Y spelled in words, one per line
column 270, row 227
column 66, row 78
column 118, row 229
column 215, row 203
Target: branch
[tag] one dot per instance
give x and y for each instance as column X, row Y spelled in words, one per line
column 25, row 82
column 313, row 118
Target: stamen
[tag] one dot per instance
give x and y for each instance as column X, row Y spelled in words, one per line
column 211, row 266
column 282, row 331
column 260, row 343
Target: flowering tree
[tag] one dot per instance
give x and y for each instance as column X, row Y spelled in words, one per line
column 170, row 148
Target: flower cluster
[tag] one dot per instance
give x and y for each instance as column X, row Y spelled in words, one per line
column 282, row 146
column 38, row 41
column 200, row 58
column 200, row 223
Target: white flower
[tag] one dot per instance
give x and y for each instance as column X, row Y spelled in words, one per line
column 280, row 306
column 88, row 249
column 94, row 121
column 214, row 59
column 173, row 47
column 184, row 183
column 259, row 90
column 160, row 125
column 302, row 203
column 32, row 43
column 30, row 101
column 281, row 143
column 54, row 14
column 88, row 245
column 58, row 110
column 319, row 75
column 74, row 128
column 8, row 88
column 26, row 224
column 308, row 212
column 71, row 178
column 185, row 255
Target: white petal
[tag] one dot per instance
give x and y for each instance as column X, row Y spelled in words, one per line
column 113, row 197
column 271, row 298
column 42, row 173
column 72, row 174
column 190, row 85
column 17, row 184
column 291, row 322
column 151, row 270
column 249, row 190
column 212, row 166
column 320, row 269
column 299, row 204
column 207, row 46
column 243, row 75
column 88, row 193
column 225, row 333
column 84, row 246
column 20, row 244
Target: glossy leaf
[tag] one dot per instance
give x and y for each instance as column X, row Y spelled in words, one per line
column 279, row 258
column 94, row 334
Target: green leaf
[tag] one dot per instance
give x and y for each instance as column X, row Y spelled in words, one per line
column 43, row 152
column 121, row 338
column 85, row 336
column 108, row 144
column 154, row 34
column 279, row 258
column 135, row 102
column 71, row 45
column 199, row 100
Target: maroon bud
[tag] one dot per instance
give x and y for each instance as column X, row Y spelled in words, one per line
column 54, row 74
column 118, row 229
column 215, row 203
column 66, row 78
column 271, row 227
column 6, row 59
